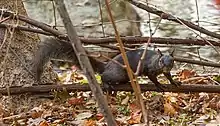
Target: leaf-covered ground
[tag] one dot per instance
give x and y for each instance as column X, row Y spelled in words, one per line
column 80, row 108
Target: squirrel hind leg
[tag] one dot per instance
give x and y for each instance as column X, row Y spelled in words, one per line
column 107, row 88
column 37, row 70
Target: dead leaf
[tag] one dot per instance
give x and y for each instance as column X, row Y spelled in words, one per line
column 99, row 116
column 136, row 114
column 185, row 74
column 125, row 100
column 89, row 123
column 44, row 123
column 59, row 121
column 84, row 115
column 134, row 108
column 35, row 114
column 135, row 117
column 37, row 122
column 74, row 68
column 46, row 114
column 76, row 101
column 169, row 109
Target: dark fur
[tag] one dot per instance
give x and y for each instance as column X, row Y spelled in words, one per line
column 154, row 64
column 57, row 49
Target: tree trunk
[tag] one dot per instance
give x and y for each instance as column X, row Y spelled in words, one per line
column 16, row 52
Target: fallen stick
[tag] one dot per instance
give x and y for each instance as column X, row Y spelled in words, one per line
column 186, row 88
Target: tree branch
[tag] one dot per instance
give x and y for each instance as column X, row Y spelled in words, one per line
column 85, row 63
column 49, row 30
column 158, row 40
column 170, row 17
column 202, row 63
column 40, row 89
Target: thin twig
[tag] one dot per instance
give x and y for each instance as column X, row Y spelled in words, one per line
column 140, row 63
column 158, row 40
column 5, row 19
column 100, row 11
column 108, row 58
column 84, row 63
column 54, row 13
column 135, row 86
column 128, row 40
column 170, row 17
column 26, row 28
column 199, row 36
column 22, row 63
column 192, row 61
column 200, row 57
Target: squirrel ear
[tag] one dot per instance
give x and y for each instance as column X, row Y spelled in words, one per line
column 172, row 52
column 160, row 53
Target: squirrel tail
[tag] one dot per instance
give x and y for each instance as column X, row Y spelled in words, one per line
column 58, row 49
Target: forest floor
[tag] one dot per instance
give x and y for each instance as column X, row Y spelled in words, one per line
column 80, row 108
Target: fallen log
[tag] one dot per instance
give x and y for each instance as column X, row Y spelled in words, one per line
column 38, row 89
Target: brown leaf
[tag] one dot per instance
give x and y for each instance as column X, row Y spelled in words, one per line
column 76, row 101
column 169, row 109
column 35, row 114
column 135, row 118
column 89, row 123
column 136, row 114
column 44, row 123
column 134, row 107
column 99, row 116
column 185, row 74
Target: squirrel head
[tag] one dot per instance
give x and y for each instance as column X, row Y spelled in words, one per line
column 166, row 62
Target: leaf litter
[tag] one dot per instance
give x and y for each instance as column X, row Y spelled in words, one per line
column 80, row 108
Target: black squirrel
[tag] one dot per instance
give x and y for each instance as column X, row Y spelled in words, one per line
column 112, row 73
column 155, row 63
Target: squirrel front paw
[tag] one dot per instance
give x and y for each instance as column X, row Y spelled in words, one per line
column 176, row 83
column 160, row 87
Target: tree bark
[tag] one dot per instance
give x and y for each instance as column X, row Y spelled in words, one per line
column 42, row 89
column 85, row 63
column 16, row 52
